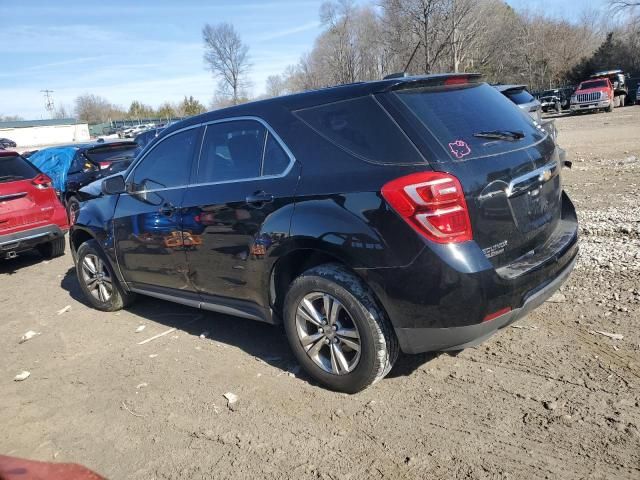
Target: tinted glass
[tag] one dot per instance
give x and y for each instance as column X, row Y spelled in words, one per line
column 593, row 84
column 276, row 159
column 519, row 96
column 169, row 163
column 231, row 151
column 15, row 168
column 452, row 116
column 363, row 128
column 110, row 153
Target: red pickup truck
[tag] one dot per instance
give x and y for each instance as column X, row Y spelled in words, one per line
column 596, row 94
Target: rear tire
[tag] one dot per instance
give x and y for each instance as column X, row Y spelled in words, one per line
column 359, row 346
column 97, row 280
column 54, row 248
column 73, row 207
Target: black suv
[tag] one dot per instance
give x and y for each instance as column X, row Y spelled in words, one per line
column 412, row 214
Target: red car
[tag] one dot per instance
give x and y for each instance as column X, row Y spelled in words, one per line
column 31, row 216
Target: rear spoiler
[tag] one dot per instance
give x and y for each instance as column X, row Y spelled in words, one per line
column 440, row 80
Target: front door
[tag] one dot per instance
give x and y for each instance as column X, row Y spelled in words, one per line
column 148, row 220
column 240, row 206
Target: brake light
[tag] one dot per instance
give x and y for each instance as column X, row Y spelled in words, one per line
column 104, row 165
column 433, row 204
column 42, row 181
column 458, row 80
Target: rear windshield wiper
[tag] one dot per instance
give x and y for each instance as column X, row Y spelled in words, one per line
column 7, row 178
column 509, row 135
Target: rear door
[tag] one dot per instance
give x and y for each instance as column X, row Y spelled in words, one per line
column 235, row 211
column 22, row 204
column 148, row 221
column 512, row 184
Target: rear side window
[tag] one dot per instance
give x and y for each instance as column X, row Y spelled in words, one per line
column 276, row 159
column 15, row 168
column 519, row 96
column 364, row 129
column 453, row 115
column 169, row 163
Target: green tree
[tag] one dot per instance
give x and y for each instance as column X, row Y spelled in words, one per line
column 140, row 110
column 190, row 106
column 166, row 110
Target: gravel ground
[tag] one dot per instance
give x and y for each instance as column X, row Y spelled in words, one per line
column 550, row 397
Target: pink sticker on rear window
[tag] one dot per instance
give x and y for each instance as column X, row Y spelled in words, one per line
column 459, row 148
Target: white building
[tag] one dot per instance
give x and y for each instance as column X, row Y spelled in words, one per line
column 34, row 133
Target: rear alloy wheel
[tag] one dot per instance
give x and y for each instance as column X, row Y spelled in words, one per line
column 328, row 333
column 97, row 280
column 52, row 249
column 337, row 330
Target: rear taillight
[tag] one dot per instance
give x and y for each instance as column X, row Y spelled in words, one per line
column 432, row 203
column 42, row 181
column 104, row 165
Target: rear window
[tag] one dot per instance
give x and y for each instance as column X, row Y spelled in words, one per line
column 593, row 84
column 112, row 153
column 519, row 96
column 15, row 168
column 361, row 127
column 453, row 115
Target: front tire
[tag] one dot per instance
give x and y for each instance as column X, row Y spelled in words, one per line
column 336, row 329
column 98, row 281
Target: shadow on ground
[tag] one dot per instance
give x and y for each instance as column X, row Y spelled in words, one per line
column 265, row 342
column 23, row 260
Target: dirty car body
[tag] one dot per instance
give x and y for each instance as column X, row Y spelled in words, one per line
column 433, row 197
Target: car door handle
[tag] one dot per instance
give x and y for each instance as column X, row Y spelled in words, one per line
column 167, row 210
column 259, row 198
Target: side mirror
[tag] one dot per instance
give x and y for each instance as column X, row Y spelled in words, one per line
column 113, row 185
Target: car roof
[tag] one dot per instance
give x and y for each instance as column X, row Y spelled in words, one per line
column 311, row 98
column 506, row 88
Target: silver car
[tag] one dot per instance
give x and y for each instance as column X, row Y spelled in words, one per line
column 519, row 95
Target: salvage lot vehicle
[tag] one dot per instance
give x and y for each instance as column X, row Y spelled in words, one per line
column 593, row 95
column 526, row 102
column 363, row 217
column 73, row 166
column 551, row 99
column 6, row 143
column 31, row 216
column 619, row 83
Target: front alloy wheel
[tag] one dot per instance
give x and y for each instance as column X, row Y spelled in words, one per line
column 328, row 333
column 97, row 278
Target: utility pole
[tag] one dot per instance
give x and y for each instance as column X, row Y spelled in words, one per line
column 48, row 102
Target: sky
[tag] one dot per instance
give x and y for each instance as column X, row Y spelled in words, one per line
column 151, row 51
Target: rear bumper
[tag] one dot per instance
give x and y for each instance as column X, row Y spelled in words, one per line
column 440, row 300
column 417, row 340
column 27, row 239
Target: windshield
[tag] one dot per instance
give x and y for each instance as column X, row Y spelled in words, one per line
column 455, row 117
column 593, row 84
column 15, row 168
column 519, row 96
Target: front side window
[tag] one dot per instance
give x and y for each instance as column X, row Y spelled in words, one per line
column 168, row 164
column 232, row 151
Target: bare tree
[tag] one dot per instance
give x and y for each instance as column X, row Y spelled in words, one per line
column 276, row 86
column 227, row 57
column 95, row 109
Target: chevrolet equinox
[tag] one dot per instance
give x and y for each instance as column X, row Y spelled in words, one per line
column 411, row 214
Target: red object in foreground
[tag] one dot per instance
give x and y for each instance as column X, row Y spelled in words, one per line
column 30, row 212
column 12, row 468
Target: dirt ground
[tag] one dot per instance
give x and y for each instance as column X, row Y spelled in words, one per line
column 547, row 398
